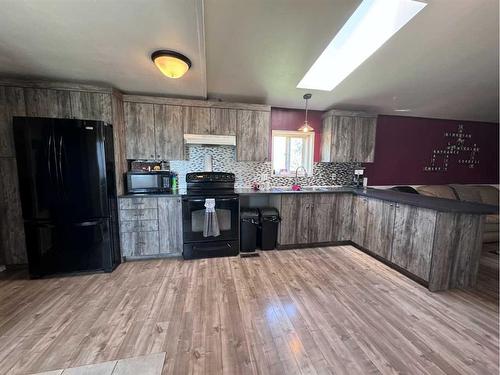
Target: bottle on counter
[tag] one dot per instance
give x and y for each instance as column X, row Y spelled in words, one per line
column 174, row 181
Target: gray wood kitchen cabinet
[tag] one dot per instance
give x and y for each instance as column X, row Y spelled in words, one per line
column 321, row 214
column 47, row 103
column 348, row 137
column 91, row 106
column 196, row 120
column 169, row 140
column 295, row 218
column 136, row 244
column 11, row 104
column 341, row 220
column 315, row 218
column 170, row 225
column 379, row 227
column 413, row 239
column 252, row 135
column 359, row 222
column 223, row 121
column 139, row 131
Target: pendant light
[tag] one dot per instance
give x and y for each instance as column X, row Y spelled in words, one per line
column 306, row 128
column 172, row 64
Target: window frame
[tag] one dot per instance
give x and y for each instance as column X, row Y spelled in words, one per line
column 307, row 153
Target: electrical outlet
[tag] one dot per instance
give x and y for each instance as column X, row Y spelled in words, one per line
column 334, row 176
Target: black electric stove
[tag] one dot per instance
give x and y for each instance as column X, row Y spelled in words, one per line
column 220, row 187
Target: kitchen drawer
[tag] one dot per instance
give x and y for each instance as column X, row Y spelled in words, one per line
column 139, row 226
column 140, row 243
column 139, row 214
column 138, row 202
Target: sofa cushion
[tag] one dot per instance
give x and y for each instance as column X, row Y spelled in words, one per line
column 492, row 219
column 491, row 227
column 467, row 193
column 489, row 194
column 439, row 191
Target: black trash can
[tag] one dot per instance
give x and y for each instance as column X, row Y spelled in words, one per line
column 248, row 229
column 268, row 229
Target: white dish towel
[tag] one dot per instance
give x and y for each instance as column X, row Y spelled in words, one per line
column 211, row 227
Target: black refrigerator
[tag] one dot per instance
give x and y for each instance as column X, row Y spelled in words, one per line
column 68, row 194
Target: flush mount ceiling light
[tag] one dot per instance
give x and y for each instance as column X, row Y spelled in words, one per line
column 306, row 128
column 370, row 26
column 172, row 64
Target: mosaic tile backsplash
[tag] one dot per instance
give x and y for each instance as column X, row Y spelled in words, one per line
column 224, row 160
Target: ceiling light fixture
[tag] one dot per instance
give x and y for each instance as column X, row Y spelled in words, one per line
column 370, row 26
column 172, row 64
column 306, row 128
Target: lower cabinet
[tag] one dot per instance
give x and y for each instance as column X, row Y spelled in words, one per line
column 295, row 219
column 170, row 225
column 151, row 226
column 315, row 218
column 413, row 239
column 379, row 227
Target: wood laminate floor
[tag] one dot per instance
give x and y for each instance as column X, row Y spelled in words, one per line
column 328, row 310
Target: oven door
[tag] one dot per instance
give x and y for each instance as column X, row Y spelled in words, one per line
column 193, row 217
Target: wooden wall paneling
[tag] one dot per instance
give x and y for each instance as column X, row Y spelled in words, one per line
column 12, row 241
column 196, row 120
column 380, row 227
column 169, row 132
column 47, row 103
column 91, row 106
column 456, row 251
column 11, row 104
column 413, row 239
column 223, row 121
column 119, row 141
column 170, row 225
column 139, row 131
column 194, row 103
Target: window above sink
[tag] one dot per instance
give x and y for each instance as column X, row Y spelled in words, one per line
column 291, row 150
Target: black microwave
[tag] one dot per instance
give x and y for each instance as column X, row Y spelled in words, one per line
column 144, row 182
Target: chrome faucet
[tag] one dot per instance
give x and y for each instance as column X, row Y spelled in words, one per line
column 297, row 174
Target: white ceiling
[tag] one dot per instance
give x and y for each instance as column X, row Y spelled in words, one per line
column 444, row 63
column 108, row 41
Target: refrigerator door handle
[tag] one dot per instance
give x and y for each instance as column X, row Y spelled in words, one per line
column 49, row 161
column 88, row 223
column 59, row 161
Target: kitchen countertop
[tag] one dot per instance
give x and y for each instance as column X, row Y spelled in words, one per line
column 438, row 204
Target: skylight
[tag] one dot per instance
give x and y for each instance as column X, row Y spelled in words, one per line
column 372, row 24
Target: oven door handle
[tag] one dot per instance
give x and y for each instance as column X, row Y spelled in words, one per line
column 216, row 199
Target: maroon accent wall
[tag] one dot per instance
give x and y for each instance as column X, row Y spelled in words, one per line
column 292, row 119
column 404, row 146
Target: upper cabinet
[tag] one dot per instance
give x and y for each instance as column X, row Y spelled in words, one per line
column 252, row 135
column 139, row 131
column 223, row 121
column 348, row 137
column 169, row 143
column 155, row 126
column 154, row 131
column 47, row 103
column 196, row 120
column 91, row 106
